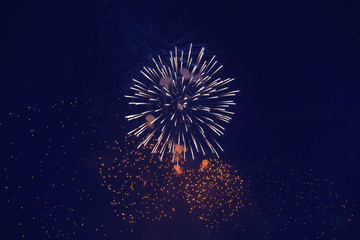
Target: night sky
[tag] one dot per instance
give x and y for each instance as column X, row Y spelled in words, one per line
column 294, row 138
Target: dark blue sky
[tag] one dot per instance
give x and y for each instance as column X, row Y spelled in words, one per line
column 297, row 65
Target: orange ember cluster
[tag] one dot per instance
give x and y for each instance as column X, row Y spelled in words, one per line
column 150, row 189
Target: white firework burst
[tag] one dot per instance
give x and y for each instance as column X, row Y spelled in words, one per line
column 183, row 103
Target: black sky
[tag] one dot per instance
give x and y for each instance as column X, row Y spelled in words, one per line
column 296, row 63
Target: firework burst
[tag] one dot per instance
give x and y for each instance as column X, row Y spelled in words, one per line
column 183, row 103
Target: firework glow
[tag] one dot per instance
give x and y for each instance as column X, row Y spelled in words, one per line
column 183, row 103
column 149, row 189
